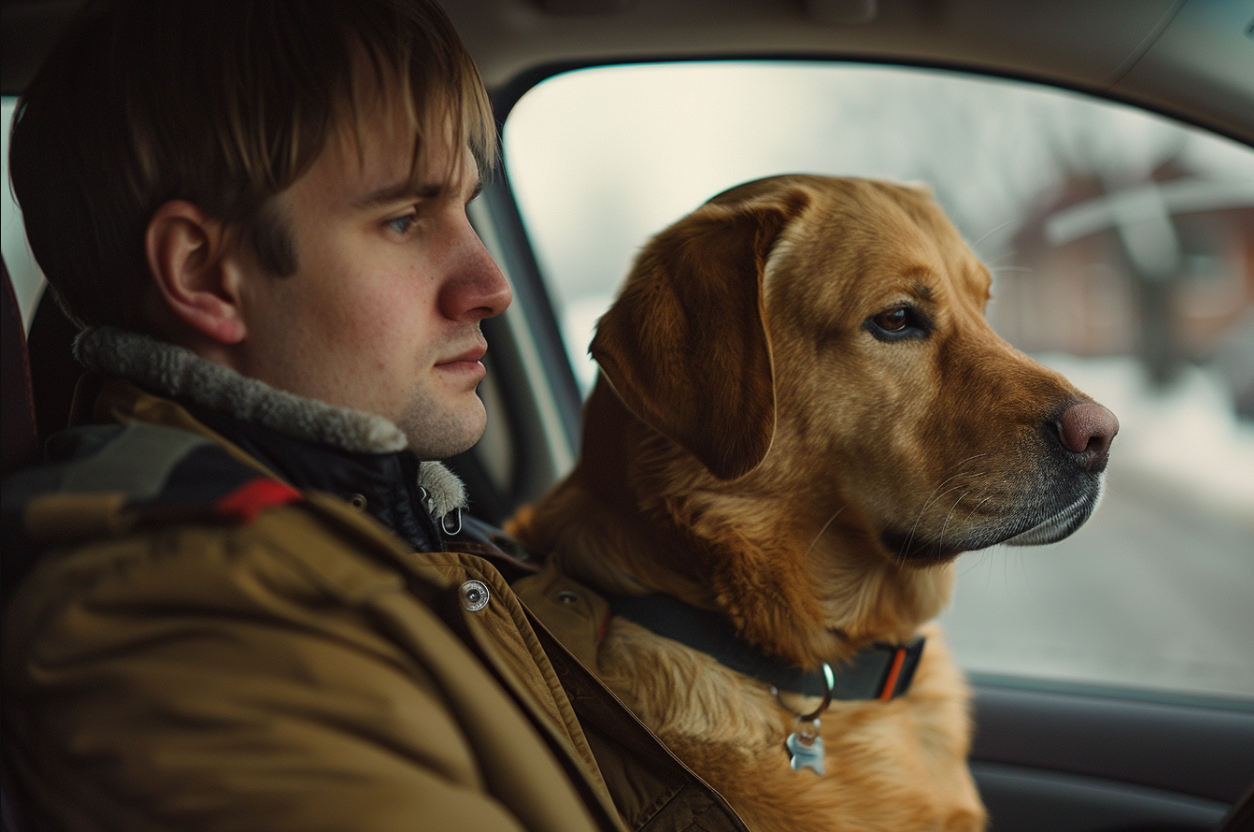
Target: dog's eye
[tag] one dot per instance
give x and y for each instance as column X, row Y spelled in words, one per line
column 897, row 323
column 894, row 320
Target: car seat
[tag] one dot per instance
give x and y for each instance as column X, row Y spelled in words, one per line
column 20, row 440
column 40, row 376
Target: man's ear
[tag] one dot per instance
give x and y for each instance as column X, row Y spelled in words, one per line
column 187, row 257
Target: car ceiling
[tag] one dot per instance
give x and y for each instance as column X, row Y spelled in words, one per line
column 1193, row 59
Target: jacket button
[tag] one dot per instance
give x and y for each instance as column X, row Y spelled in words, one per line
column 474, row 595
column 358, row 501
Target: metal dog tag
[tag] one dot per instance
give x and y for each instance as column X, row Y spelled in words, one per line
column 806, row 746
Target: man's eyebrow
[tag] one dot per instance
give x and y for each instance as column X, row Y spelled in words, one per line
column 405, row 191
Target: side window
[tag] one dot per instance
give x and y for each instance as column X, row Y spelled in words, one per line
column 27, row 280
column 1122, row 248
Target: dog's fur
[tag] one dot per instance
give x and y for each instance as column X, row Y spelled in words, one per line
column 758, row 446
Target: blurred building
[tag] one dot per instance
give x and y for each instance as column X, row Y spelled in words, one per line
column 1161, row 269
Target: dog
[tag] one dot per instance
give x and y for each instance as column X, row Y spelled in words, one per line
column 802, row 418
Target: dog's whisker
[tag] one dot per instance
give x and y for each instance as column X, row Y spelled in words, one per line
column 958, row 474
column 931, row 500
column 823, row 530
column 976, row 507
column 936, row 496
column 937, row 493
column 976, row 245
column 945, row 525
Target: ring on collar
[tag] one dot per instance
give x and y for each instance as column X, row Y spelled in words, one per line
column 830, row 678
column 455, row 527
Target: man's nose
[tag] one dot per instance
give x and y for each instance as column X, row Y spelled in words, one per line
column 478, row 289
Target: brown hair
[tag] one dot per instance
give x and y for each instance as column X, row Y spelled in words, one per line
column 224, row 103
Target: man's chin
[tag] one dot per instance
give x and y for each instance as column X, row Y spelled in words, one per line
column 439, row 433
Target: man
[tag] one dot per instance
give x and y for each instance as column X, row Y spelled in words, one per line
column 244, row 603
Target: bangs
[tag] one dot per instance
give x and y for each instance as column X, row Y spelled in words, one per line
column 433, row 78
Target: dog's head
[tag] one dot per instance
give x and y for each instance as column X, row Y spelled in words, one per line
column 824, row 340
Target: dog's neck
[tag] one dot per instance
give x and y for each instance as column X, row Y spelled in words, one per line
column 639, row 515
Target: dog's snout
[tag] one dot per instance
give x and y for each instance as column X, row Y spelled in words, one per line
column 1087, row 429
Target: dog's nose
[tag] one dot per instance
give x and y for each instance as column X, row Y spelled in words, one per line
column 1087, row 429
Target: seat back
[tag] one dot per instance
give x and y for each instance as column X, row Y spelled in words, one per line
column 20, row 441
column 54, row 372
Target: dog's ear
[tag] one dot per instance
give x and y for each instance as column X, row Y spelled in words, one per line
column 685, row 345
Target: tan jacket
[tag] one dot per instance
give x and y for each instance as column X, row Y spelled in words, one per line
column 303, row 669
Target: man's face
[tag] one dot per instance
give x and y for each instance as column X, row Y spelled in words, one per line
column 383, row 312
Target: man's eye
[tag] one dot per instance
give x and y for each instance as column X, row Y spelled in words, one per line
column 402, row 225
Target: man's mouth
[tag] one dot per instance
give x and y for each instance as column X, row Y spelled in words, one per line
column 471, row 355
column 468, row 361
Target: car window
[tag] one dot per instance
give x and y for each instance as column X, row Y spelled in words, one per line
column 27, row 279
column 1122, row 248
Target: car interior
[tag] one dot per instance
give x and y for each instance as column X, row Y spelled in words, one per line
column 1110, row 694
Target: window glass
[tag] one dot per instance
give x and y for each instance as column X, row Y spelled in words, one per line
column 25, row 275
column 1122, row 248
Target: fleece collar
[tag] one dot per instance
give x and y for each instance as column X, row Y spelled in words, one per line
column 179, row 373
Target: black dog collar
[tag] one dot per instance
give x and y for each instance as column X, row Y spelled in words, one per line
column 881, row 671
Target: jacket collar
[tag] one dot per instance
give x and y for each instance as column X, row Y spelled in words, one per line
column 357, row 456
column 178, row 372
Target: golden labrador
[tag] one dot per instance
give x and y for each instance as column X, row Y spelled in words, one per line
column 802, row 418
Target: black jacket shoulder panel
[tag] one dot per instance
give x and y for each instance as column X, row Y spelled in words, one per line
column 161, row 474
column 134, row 459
